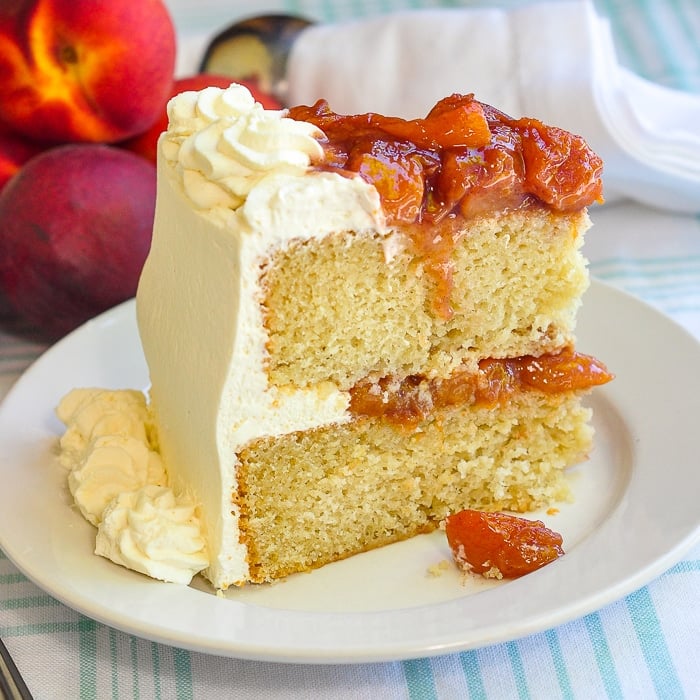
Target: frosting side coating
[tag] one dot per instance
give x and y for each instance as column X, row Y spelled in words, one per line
column 241, row 179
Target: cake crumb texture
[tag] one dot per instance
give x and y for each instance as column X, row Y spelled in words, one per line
column 337, row 310
column 317, row 496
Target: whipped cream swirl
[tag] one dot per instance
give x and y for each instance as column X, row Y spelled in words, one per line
column 112, row 464
column 119, row 484
column 224, row 144
column 93, row 413
column 149, row 531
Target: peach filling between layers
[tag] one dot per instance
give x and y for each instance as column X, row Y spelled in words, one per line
column 407, row 402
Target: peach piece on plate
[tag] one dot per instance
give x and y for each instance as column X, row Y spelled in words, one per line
column 146, row 144
column 84, row 70
column 76, row 229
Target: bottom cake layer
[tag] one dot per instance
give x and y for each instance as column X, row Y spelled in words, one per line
column 308, row 499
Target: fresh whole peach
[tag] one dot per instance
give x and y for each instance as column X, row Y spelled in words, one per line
column 146, row 144
column 84, row 70
column 75, row 229
column 15, row 150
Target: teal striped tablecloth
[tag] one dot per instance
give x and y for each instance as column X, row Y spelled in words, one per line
column 646, row 645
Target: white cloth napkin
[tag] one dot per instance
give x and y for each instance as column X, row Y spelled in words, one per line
column 553, row 60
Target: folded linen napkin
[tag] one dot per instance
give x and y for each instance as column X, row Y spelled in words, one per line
column 553, row 60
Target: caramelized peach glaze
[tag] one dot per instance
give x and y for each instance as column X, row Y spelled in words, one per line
column 463, row 160
column 411, row 400
column 464, row 157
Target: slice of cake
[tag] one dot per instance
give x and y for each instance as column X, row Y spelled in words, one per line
column 356, row 326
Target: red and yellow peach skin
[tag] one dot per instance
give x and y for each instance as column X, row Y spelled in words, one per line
column 84, row 70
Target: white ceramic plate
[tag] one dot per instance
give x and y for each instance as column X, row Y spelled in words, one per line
column 636, row 513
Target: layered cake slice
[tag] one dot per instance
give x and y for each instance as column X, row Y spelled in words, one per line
column 357, row 325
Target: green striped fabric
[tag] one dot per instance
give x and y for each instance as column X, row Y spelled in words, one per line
column 643, row 646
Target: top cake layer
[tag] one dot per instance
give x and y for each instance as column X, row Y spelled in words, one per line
column 275, row 183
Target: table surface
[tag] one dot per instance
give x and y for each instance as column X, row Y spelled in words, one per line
column 642, row 646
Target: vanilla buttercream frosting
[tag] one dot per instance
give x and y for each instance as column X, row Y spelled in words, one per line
column 235, row 184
